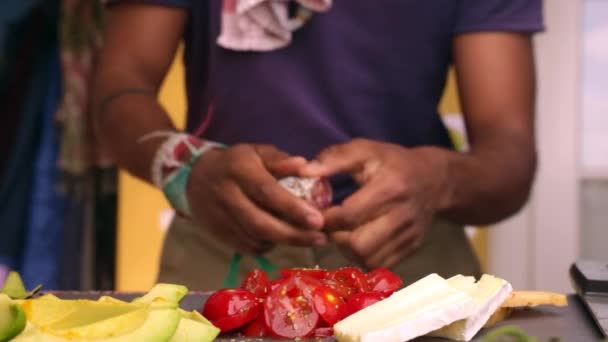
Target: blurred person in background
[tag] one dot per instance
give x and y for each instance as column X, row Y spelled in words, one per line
column 346, row 90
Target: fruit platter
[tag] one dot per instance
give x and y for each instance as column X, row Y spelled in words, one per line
column 344, row 305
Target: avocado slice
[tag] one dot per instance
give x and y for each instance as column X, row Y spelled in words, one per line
column 193, row 327
column 164, row 296
column 60, row 314
column 12, row 318
column 14, row 287
column 159, row 326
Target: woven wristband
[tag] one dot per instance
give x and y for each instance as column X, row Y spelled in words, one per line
column 173, row 164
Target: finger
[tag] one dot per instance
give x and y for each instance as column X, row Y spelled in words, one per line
column 369, row 202
column 402, row 252
column 228, row 231
column 344, row 158
column 264, row 226
column 261, row 187
column 402, row 245
column 367, row 239
column 278, row 162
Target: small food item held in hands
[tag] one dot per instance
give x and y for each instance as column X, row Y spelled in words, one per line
column 316, row 191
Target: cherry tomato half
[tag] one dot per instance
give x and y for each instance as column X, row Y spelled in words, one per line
column 384, row 281
column 257, row 283
column 288, row 313
column 229, row 309
column 317, row 273
column 256, row 328
column 275, row 283
column 328, row 303
column 362, row 300
column 347, row 281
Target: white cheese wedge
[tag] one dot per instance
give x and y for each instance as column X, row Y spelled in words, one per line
column 488, row 294
column 425, row 306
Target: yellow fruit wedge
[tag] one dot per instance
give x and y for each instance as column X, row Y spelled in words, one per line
column 114, row 326
column 65, row 314
column 159, row 326
column 520, row 299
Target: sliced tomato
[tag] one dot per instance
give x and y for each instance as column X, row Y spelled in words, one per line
column 317, row 273
column 257, row 283
column 275, row 283
column 328, row 303
column 229, row 309
column 288, row 313
column 323, row 332
column 347, row 281
column 362, row 300
column 256, row 328
column 384, row 281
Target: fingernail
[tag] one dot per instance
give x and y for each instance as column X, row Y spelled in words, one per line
column 320, row 240
column 316, row 221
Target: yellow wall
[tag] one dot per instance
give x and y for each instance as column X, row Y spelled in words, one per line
column 140, row 205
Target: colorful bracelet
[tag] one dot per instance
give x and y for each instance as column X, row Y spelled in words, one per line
column 173, row 164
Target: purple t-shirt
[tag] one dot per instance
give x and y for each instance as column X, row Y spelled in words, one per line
column 372, row 69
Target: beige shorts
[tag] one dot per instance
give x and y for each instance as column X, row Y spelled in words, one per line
column 193, row 257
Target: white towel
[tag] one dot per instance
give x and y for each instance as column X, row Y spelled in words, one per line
column 263, row 25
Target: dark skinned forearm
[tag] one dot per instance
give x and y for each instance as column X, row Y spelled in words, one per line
column 140, row 42
column 488, row 184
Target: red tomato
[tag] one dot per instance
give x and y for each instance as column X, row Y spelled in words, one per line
column 323, row 332
column 229, row 309
column 347, row 281
column 330, row 306
column 384, row 281
column 275, row 283
column 256, row 328
column 288, row 313
column 257, row 283
column 362, row 300
column 317, row 273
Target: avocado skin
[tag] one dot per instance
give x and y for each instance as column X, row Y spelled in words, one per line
column 12, row 319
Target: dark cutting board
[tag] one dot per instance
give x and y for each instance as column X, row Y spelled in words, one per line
column 571, row 323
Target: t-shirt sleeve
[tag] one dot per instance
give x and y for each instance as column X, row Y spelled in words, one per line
column 169, row 3
column 499, row 15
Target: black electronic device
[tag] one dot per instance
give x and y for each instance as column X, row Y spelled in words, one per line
column 590, row 280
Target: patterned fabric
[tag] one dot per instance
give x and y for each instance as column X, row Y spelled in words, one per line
column 88, row 177
column 264, row 25
column 80, row 37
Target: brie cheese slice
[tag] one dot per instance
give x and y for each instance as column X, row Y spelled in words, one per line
column 425, row 306
column 488, row 294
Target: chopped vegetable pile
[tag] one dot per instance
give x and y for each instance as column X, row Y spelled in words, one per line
column 303, row 302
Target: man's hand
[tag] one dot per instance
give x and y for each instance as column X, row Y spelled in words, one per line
column 401, row 190
column 235, row 194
